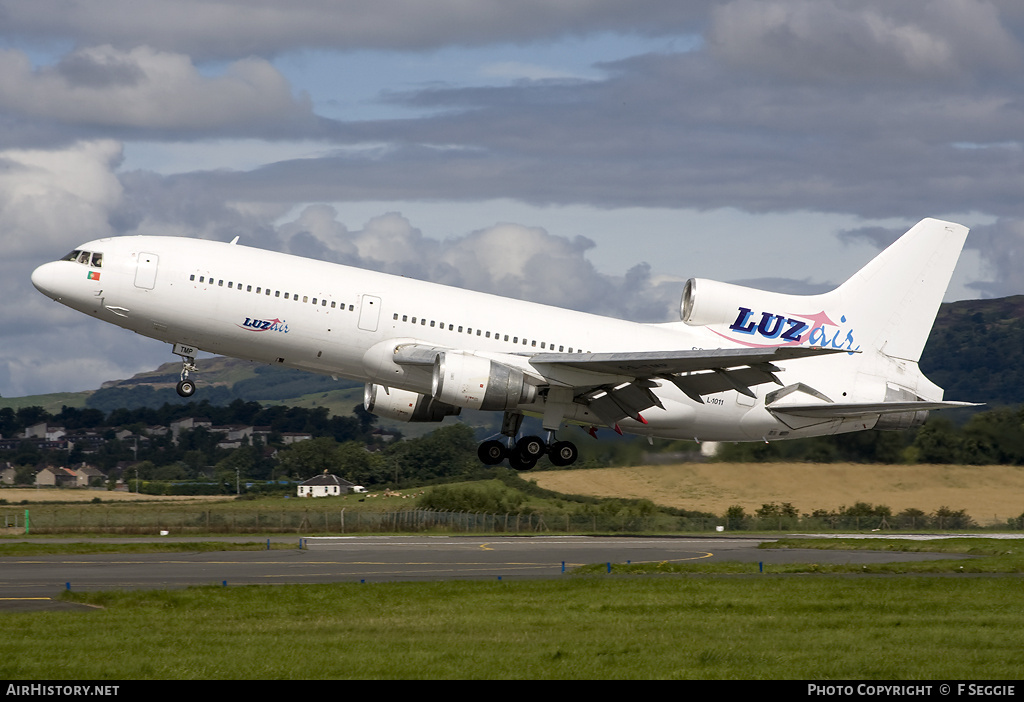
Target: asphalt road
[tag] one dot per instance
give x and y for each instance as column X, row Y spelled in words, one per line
column 32, row 582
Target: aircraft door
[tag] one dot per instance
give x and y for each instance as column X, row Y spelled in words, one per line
column 145, row 271
column 369, row 313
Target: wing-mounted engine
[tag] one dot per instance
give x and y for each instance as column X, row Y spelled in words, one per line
column 474, row 382
column 405, row 406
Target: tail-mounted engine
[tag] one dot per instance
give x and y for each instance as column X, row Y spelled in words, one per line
column 405, row 406
column 474, row 382
column 709, row 302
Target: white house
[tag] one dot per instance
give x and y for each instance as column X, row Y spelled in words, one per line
column 42, row 430
column 325, row 485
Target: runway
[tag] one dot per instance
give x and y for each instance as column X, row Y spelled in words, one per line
column 30, row 582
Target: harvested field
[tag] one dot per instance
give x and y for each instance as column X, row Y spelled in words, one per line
column 17, row 495
column 989, row 494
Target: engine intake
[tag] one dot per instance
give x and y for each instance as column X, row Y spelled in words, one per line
column 474, row 382
column 708, row 302
column 711, row 302
column 405, row 406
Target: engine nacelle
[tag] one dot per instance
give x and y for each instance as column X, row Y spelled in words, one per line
column 711, row 302
column 405, row 406
column 474, row 382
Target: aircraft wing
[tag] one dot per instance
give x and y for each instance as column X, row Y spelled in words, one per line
column 618, row 385
column 696, row 373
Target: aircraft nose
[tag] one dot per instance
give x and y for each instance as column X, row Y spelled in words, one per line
column 46, row 278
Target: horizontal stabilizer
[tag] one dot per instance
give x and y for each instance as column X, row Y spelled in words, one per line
column 839, row 410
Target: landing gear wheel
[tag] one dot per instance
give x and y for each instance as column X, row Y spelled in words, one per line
column 518, row 462
column 531, row 448
column 563, row 453
column 491, row 453
column 186, row 388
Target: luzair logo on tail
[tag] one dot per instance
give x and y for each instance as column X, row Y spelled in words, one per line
column 792, row 330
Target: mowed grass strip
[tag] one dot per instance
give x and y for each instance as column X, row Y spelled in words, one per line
column 992, row 556
column 577, row 627
column 86, row 547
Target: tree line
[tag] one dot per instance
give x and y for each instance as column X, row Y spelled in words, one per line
column 347, row 445
column 343, row 445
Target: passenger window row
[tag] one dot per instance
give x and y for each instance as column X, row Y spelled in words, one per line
column 260, row 290
column 421, row 321
column 497, row 336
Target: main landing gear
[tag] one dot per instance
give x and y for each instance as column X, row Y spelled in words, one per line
column 524, row 453
column 186, row 387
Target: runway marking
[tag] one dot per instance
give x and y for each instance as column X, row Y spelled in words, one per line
column 20, row 599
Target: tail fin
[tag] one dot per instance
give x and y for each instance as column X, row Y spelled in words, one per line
column 888, row 306
column 895, row 297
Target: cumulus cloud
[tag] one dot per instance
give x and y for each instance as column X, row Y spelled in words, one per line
column 879, row 237
column 49, row 197
column 1001, row 247
column 146, row 89
column 839, row 40
column 505, row 259
column 239, row 28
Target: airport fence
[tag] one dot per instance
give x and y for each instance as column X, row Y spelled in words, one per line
column 60, row 520
column 56, row 520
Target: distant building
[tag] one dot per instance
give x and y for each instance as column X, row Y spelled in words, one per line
column 181, row 425
column 293, row 437
column 52, row 476
column 44, row 431
column 234, row 435
column 87, row 474
column 325, row 485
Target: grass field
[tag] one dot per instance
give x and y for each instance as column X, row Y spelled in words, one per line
column 654, row 625
column 15, row 496
column 989, row 494
column 677, row 627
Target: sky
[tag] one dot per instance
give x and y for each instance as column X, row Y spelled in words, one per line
column 591, row 154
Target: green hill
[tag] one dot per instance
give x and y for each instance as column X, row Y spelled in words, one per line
column 976, row 351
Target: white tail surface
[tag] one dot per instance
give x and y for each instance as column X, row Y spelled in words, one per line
column 888, row 306
column 895, row 297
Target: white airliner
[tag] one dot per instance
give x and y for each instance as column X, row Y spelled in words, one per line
column 742, row 365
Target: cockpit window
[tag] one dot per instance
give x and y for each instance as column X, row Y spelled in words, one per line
column 88, row 258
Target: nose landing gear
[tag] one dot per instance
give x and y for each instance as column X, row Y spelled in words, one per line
column 186, row 387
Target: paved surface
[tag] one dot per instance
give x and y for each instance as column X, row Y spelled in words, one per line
column 30, row 582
